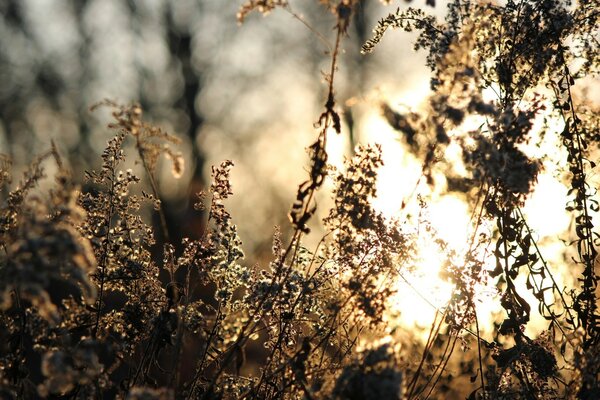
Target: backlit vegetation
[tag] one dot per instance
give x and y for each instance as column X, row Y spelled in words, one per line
column 94, row 306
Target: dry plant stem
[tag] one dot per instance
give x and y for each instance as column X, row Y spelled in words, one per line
column 333, row 322
column 341, row 308
column 140, row 367
column 440, row 310
column 175, row 371
column 476, row 334
column 508, row 92
column 485, row 193
column 425, row 385
column 200, row 368
column 442, row 368
column 297, row 235
column 555, row 317
column 250, row 326
column 152, row 342
column 188, row 295
column 431, row 338
column 325, row 125
column 479, row 358
column 433, row 331
column 270, row 358
column 23, row 321
column 146, row 363
column 337, row 312
column 301, row 19
column 589, row 254
column 202, row 362
column 103, row 261
column 505, row 212
column 524, row 377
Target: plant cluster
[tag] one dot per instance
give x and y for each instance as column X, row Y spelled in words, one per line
column 89, row 311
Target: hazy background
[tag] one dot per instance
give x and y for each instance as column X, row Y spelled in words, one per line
column 249, row 93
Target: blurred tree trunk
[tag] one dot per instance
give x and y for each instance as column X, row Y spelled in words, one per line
column 180, row 41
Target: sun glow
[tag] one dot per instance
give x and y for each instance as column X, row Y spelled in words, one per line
column 422, row 293
column 420, row 290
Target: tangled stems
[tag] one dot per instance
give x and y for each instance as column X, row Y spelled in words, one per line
column 586, row 301
column 85, row 313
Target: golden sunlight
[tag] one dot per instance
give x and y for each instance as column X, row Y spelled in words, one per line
column 422, row 292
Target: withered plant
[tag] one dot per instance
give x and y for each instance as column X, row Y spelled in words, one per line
column 88, row 310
